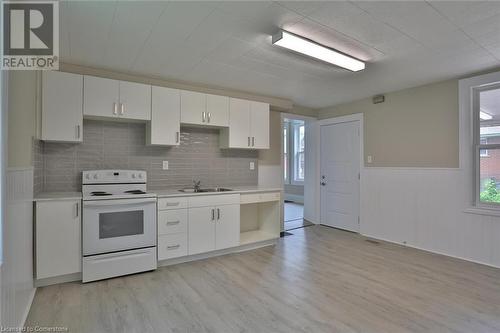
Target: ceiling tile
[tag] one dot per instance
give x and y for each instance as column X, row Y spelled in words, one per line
column 132, row 24
column 463, row 13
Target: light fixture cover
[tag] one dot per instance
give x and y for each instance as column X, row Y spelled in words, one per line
column 485, row 116
column 312, row 49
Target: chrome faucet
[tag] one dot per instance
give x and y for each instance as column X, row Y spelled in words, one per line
column 196, row 185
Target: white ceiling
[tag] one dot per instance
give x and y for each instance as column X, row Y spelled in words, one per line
column 227, row 44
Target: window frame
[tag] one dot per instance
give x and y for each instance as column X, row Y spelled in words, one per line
column 292, row 129
column 296, row 134
column 478, row 146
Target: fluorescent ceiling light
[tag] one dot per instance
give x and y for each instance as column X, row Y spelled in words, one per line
column 485, row 116
column 305, row 46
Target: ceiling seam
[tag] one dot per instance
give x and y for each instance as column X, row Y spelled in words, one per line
column 463, row 31
column 141, row 49
column 109, row 31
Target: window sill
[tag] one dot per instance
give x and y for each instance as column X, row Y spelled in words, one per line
column 482, row 211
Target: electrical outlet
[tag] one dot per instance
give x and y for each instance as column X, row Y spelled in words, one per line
column 165, row 165
column 252, row 166
column 370, row 159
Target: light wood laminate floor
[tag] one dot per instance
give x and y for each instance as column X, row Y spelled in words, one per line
column 318, row 280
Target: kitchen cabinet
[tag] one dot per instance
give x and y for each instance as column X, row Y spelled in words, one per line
column 164, row 128
column 116, row 99
column 62, row 111
column 248, row 125
column 204, row 109
column 193, row 108
column 57, row 238
column 213, row 228
column 217, row 110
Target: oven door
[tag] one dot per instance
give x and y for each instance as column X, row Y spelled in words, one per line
column 117, row 225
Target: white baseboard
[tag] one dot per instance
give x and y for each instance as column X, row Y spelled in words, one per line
column 28, row 308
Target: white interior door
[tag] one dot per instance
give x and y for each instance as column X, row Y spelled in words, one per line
column 340, row 160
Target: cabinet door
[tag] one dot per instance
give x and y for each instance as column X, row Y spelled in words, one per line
column 218, row 110
column 62, row 106
column 100, row 97
column 239, row 123
column 58, row 238
column 227, row 227
column 165, row 116
column 193, row 108
column 259, row 125
column 201, row 230
column 135, row 101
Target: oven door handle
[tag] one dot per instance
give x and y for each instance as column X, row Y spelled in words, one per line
column 107, row 203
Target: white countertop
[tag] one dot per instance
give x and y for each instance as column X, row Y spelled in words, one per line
column 235, row 190
column 50, row 196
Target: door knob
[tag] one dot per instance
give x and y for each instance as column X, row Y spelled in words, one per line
column 323, row 183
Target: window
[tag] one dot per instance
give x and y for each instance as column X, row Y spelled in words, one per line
column 486, row 101
column 293, row 151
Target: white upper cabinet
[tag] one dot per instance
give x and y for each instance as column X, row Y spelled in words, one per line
column 217, row 111
column 164, row 128
column 101, row 97
column 193, row 108
column 116, row 99
column 62, row 106
column 204, row 109
column 135, row 101
column 259, row 125
column 248, row 125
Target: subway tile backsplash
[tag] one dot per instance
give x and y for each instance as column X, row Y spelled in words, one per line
column 117, row 145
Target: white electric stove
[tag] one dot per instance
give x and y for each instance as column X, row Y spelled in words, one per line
column 119, row 224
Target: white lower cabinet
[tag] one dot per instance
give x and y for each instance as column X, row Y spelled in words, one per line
column 58, row 238
column 213, row 228
column 172, row 246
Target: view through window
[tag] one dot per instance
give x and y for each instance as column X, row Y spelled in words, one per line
column 293, row 151
column 489, row 145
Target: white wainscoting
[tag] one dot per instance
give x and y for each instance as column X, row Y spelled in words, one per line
column 17, row 289
column 424, row 208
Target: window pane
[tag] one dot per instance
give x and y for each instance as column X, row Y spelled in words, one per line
column 301, row 138
column 489, row 176
column 489, row 116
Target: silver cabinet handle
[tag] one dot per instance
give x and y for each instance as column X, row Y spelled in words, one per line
column 122, row 108
column 218, row 214
column 77, row 209
column 173, row 247
column 170, row 204
column 203, row 116
column 173, row 222
column 213, row 214
column 177, row 137
column 209, row 115
column 253, row 141
column 115, row 108
column 248, row 141
column 78, row 131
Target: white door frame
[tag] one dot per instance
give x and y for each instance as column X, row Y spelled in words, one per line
column 338, row 120
column 314, row 159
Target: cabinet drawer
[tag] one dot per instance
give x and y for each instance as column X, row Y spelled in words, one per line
column 213, row 200
column 172, row 246
column 172, row 203
column 260, row 197
column 172, row 221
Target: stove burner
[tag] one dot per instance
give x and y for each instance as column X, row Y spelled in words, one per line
column 135, row 192
column 99, row 193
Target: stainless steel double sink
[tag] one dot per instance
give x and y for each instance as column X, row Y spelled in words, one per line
column 205, row 190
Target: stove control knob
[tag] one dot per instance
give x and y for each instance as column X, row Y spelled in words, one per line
column 96, row 176
column 140, row 175
column 87, row 176
column 133, row 175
